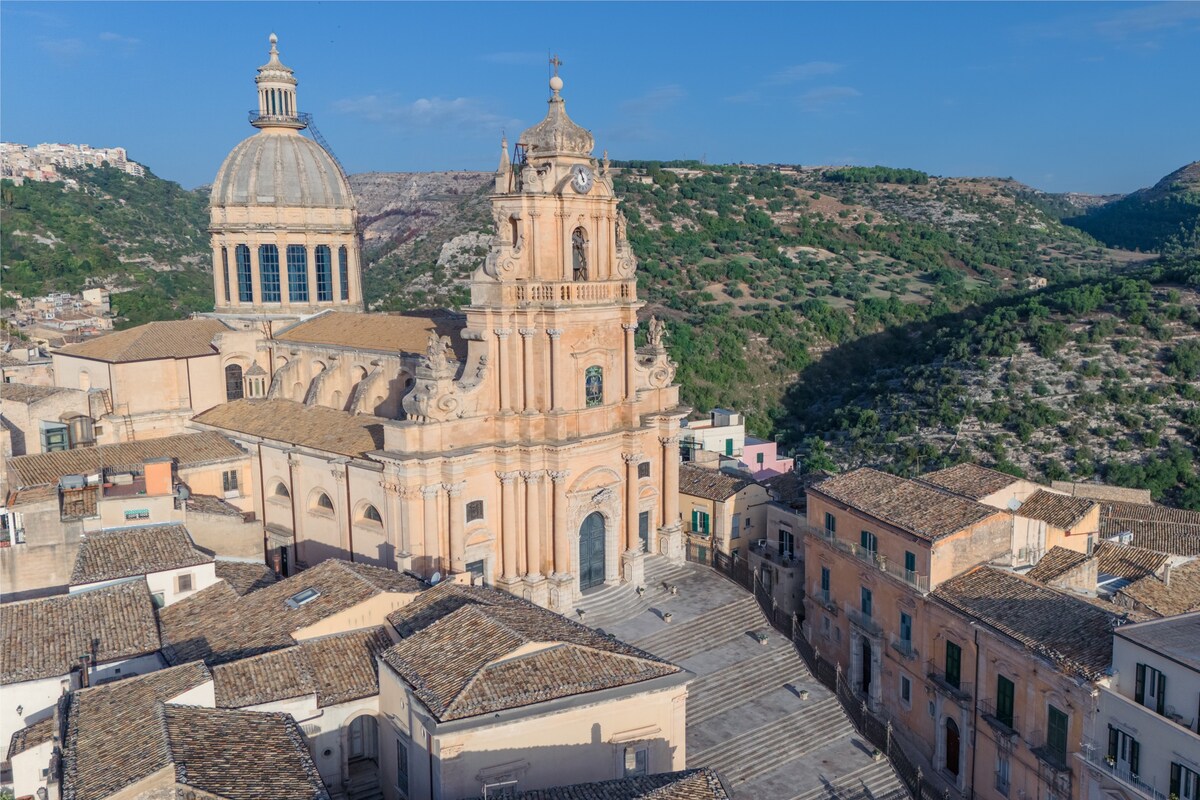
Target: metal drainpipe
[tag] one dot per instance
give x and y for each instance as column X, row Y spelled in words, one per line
column 975, row 717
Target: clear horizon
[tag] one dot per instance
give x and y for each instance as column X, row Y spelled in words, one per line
column 1079, row 97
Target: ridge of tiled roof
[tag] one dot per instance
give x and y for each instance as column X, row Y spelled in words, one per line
column 926, row 511
column 44, row 638
column 1073, row 634
column 32, row 735
column 218, row 625
column 970, row 480
column 185, row 449
column 27, row 393
column 1059, row 510
column 691, row 784
column 792, row 486
column 458, row 668
column 1056, row 562
column 1102, row 492
column 243, row 576
column 711, row 484
column 127, row 552
column 406, row 332
column 1168, row 530
column 113, row 736
column 442, row 600
column 336, row 668
column 318, row 427
column 1127, row 561
column 182, row 338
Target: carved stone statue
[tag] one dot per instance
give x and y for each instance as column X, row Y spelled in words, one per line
column 579, row 255
column 657, row 333
column 437, row 354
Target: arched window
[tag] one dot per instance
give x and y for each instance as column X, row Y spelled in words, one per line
column 344, row 271
column 225, row 271
column 297, row 267
column 324, row 274
column 282, row 491
column 233, row 382
column 268, row 272
column 322, row 503
column 579, row 264
column 85, row 380
column 593, row 386
column 245, row 280
column 370, row 514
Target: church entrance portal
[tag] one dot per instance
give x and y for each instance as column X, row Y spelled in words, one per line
column 591, row 551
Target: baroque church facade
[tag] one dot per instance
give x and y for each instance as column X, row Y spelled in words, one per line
column 527, row 442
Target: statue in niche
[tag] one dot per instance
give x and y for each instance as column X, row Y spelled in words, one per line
column 579, row 270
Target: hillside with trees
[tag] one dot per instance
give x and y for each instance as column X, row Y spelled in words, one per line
column 1163, row 215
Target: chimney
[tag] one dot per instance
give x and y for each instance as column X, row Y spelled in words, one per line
column 1167, row 574
column 83, row 671
column 158, row 477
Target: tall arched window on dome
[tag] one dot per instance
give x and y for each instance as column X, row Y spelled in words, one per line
column 233, row 382
column 225, row 271
column 344, row 271
column 245, row 279
column 297, row 266
column 268, row 272
column 324, row 274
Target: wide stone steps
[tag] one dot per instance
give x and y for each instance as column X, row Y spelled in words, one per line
column 733, row 686
column 364, row 787
column 706, row 631
column 876, row 781
column 766, row 748
column 622, row 602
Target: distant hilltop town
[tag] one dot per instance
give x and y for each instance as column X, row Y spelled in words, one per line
column 21, row 162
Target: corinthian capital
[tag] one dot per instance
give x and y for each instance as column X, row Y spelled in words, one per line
column 532, row 475
column 669, row 441
column 431, row 492
column 527, row 332
column 554, row 333
column 629, row 327
column 507, row 478
column 632, row 458
column 455, row 489
column 559, row 476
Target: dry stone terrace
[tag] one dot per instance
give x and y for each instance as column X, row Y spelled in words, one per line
column 755, row 713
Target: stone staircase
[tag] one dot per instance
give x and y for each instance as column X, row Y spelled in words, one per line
column 704, row 632
column 876, row 781
column 763, row 749
column 721, row 691
column 622, row 601
column 364, row 786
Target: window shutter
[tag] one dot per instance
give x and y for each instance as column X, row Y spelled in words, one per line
column 1112, row 742
column 1133, row 756
column 1162, row 692
column 695, row 526
column 1175, row 779
column 1139, row 690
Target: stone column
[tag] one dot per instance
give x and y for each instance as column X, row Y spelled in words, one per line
column 508, row 524
column 671, row 533
column 630, row 349
column 256, row 292
column 562, row 543
column 285, row 289
column 503, row 370
column 532, row 242
column 555, row 335
column 458, row 542
column 533, row 528
column 633, row 559
column 433, row 557
column 310, row 264
column 530, row 404
column 341, row 513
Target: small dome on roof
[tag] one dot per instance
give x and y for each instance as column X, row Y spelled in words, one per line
column 281, row 170
column 557, row 134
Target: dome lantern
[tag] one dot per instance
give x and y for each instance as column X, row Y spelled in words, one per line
column 557, row 134
column 277, row 94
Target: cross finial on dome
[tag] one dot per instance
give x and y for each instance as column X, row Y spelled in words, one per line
column 556, row 82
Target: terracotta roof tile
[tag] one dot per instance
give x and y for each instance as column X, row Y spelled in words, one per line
column 27, row 394
column 218, row 625
column 1059, row 510
column 791, row 488
column 318, row 427
column 244, row 577
column 923, row 510
column 210, row 504
column 1127, row 561
column 692, row 784
column 1057, row 562
column 710, row 484
column 124, row 553
column 337, row 669
column 388, row 333
column 185, row 449
column 1074, row 634
column 970, row 480
column 44, row 638
column 456, row 665
column 40, row 732
column 1102, row 491
column 1168, row 530
column 185, row 338
column 1180, row 596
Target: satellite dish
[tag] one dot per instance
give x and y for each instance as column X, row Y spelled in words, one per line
column 1014, row 504
column 434, row 578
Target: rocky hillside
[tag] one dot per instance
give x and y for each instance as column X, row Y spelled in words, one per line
column 1163, row 215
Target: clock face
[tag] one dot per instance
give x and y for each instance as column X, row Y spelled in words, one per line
column 581, row 179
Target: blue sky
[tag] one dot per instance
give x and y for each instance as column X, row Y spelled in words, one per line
column 1090, row 97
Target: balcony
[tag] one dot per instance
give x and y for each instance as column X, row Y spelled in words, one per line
column 879, row 562
column 959, row 691
column 770, row 551
column 1053, row 769
column 559, row 292
column 1006, row 729
column 1096, row 756
column 863, row 621
column 903, row 646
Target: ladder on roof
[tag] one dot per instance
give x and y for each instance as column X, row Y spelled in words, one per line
column 319, row 139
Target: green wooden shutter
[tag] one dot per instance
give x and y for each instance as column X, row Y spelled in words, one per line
column 1139, row 690
column 1162, row 692
column 953, row 664
column 1113, row 743
column 1005, row 691
column 1056, row 726
column 1175, row 779
column 695, row 520
column 1134, row 753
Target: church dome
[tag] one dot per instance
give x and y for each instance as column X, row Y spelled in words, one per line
column 557, row 134
column 281, row 169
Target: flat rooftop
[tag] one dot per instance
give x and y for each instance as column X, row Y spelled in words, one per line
column 1177, row 638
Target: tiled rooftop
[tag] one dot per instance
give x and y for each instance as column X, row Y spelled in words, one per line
column 922, row 510
column 336, row 668
column 692, row 784
column 186, row 450
column 1177, row 637
column 1180, row 596
column 1074, row 634
column 31, row 736
column 1127, row 561
column 184, row 338
column 28, row 394
column 1102, row 491
column 389, row 333
column 710, row 484
column 110, row 555
column 1057, row 561
column 457, row 664
column 244, row 577
column 1168, row 530
column 970, row 480
column 318, row 427
column 44, row 638
column 1059, row 510
column 218, row 625
column 791, row 487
